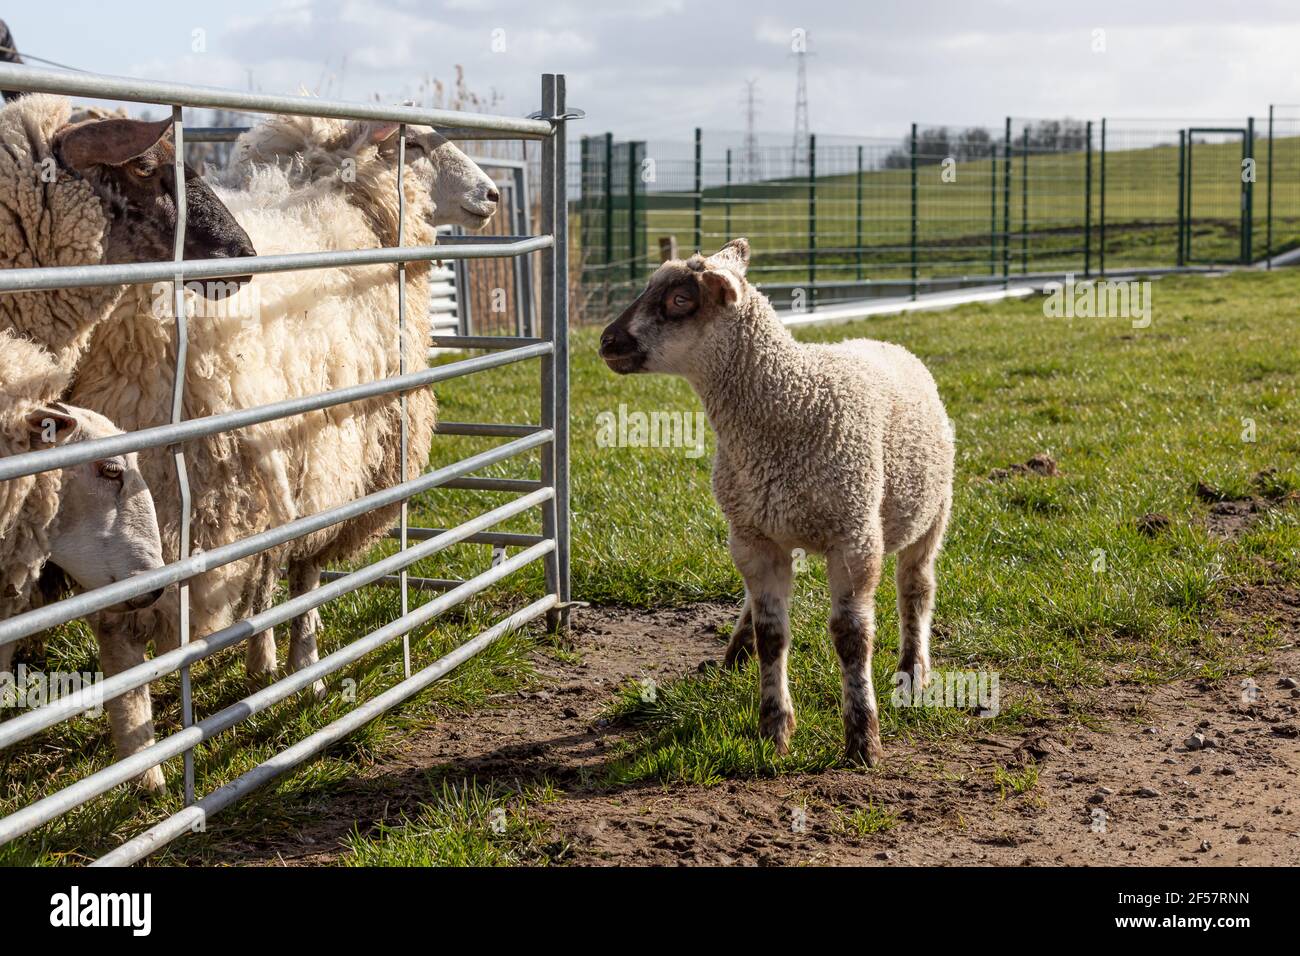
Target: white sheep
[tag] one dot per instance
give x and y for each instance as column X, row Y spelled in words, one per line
column 99, row 191
column 307, row 184
column 843, row 450
column 95, row 521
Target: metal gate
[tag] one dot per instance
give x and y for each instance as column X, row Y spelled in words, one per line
column 548, row 493
column 1215, row 220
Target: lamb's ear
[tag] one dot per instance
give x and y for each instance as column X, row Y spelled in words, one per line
column 109, row 142
column 51, row 424
column 381, row 131
column 734, row 256
column 722, row 284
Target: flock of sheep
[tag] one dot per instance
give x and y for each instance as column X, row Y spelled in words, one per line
column 84, row 363
column 844, row 450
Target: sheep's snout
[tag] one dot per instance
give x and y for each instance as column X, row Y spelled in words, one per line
column 620, row 349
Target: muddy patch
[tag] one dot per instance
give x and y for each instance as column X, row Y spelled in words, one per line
column 1133, row 785
column 1230, row 517
column 1043, row 465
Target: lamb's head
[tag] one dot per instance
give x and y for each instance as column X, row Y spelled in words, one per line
column 106, row 529
column 443, row 186
column 686, row 305
column 130, row 164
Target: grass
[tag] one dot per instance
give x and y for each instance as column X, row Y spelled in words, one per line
column 1047, row 582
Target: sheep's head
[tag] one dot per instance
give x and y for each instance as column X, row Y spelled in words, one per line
column 106, row 529
column 665, row 328
column 463, row 195
column 131, row 166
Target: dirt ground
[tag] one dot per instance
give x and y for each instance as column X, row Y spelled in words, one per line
column 1124, row 789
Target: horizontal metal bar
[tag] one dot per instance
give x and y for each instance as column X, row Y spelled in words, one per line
column 489, row 429
column 60, row 612
column 494, row 484
column 483, row 341
column 36, row 80
column 395, row 580
column 195, row 817
column 228, row 134
column 47, row 278
column 61, row 708
column 64, row 456
column 75, row 794
column 499, row 539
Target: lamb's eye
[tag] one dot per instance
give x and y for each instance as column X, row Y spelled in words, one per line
column 110, row 470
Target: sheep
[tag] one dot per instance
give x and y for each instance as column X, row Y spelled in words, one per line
column 843, row 450
column 305, row 184
column 99, row 191
column 96, row 521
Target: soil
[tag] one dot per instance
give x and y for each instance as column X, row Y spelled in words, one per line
column 1122, row 788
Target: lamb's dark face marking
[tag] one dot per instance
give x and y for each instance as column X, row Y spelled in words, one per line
column 662, row 330
column 131, row 166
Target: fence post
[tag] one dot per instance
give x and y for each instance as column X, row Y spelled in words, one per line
column 858, row 220
column 993, row 208
column 912, row 243
column 1268, row 232
column 609, row 214
column 1087, row 205
column 1182, row 194
column 1006, row 206
column 631, row 212
column 1024, row 203
column 699, row 196
column 812, row 222
column 1101, row 251
column 727, row 204
column 1248, row 204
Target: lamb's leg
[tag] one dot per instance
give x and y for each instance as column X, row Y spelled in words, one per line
column 259, row 653
column 741, row 646
column 304, row 577
column 914, row 577
column 7, row 658
column 853, row 578
column 122, row 642
column 766, row 570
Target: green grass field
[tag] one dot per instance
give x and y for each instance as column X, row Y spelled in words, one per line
column 1135, row 417
column 961, row 223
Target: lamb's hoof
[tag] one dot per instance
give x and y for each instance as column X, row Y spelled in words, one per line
column 317, row 690
column 737, row 655
column 917, row 670
column 778, row 727
column 255, row 682
column 152, row 783
column 864, row 750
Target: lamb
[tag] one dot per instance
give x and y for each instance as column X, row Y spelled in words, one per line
column 99, row 191
column 843, row 450
column 95, row 521
column 307, row 184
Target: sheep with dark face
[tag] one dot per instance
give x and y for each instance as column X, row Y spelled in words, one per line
column 843, row 450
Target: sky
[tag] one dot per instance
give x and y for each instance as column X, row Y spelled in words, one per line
column 657, row 68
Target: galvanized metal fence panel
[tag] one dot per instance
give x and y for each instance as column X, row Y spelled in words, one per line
column 547, row 343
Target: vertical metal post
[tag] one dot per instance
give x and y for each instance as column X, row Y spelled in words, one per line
column 812, row 222
column 403, row 517
column 1268, row 233
column 857, row 218
column 726, row 231
column 913, row 217
column 1087, row 205
column 1024, row 203
column 550, row 294
column 699, row 195
column 561, row 339
column 177, row 450
column 633, row 272
column 993, row 207
column 1182, row 193
column 609, row 212
column 1101, row 250
column 1248, row 195
column 1006, row 206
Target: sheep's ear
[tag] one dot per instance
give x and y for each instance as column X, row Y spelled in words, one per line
column 52, row 424
column 381, row 132
column 734, row 256
column 722, row 285
column 109, row 142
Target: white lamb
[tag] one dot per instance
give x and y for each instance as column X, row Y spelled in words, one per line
column 843, row 450
column 308, row 184
column 95, row 521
